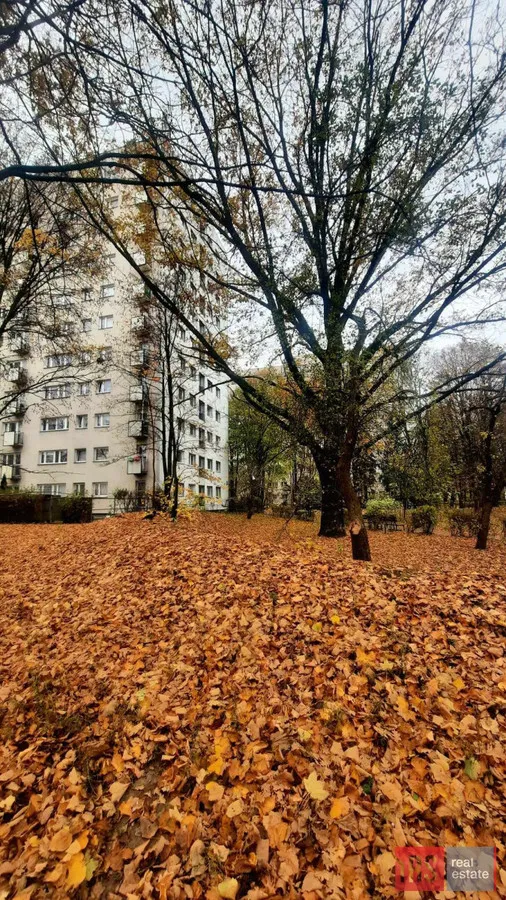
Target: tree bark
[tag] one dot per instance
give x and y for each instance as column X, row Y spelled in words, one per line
column 358, row 532
column 332, row 508
column 482, row 538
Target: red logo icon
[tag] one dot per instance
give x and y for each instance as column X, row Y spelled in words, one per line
column 420, row 868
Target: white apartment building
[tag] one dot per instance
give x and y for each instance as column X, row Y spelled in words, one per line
column 87, row 418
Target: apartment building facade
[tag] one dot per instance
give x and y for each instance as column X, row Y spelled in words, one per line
column 91, row 417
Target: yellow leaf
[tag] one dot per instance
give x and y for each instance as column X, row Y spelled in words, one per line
column 60, row 841
column 384, row 863
column 117, row 790
column 364, row 658
column 317, row 626
column 340, row 807
column 315, row 787
column 217, row 766
column 55, row 875
column 304, row 735
column 393, row 791
column 228, row 888
column 234, row 809
column 335, row 619
column 215, row 791
column 77, row 870
column 118, row 762
column 403, row 707
column 458, row 683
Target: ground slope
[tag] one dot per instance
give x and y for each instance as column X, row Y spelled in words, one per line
column 224, row 709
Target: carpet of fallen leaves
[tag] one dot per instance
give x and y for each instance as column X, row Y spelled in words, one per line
column 224, row 709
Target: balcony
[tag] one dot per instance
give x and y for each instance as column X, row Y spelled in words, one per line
column 16, row 408
column 138, row 428
column 139, row 358
column 16, row 374
column 136, row 465
column 20, row 344
column 13, row 439
column 138, row 323
column 137, row 393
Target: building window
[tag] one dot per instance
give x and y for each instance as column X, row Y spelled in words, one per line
column 12, row 427
column 218, row 493
column 84, row 388
column 79, row 487
column 193, row 400
column 104, row 386
column 217, row 440
column 218, row 466
column 218, row 416
column 105, row 322
column 114, row 202
column 210, row 465
column 80, row 455
column 55, row 423
column 100, row 453
column 202, row 438
column 202, row 462
column 202, row 410
column 210, row 436
column 182, row 363
column 180, row 456
column 181, row 393
column 99, row 488
column 191, row 488
column 209, row 411
column 102, row 420
column 181, row 425
column 218, row 392
column 202, row 382
column 82, row 421
column 52, row 457
column 56, row 490
column 87, row 324
column 192, row 459
column 193, row 430
column 193, row 372
column 202, row 490
column 209, row 490
column 87, row 294
column 58, row 359
column 181, row 332
column 56, row 391
column 209, row 384
column 107, row 290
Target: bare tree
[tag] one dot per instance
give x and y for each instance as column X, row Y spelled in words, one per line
column 347, row 160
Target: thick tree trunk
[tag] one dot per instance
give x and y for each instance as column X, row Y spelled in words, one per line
column 332, row 510
column 358, row 532
column 482, row 538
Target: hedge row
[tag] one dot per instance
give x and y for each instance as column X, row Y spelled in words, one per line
column 27, row 507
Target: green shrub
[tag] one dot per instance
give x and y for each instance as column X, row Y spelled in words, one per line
column 424, row 519
column 76, row 508
column 381, row 512
column 381, row 506
column 464, row 522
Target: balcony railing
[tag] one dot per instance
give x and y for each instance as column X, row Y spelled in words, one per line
column 137, row 393
column 139, row 357
column 136, row 465
column 138, row 428
column 13, row 439
column 16, row 408
column 16, row 373
column 20, row 344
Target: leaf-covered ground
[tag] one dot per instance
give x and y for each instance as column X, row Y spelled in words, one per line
column 235, row 709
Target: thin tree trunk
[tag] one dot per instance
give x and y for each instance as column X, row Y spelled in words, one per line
column 332, row 508
column 482, row 538
column 358, row 532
